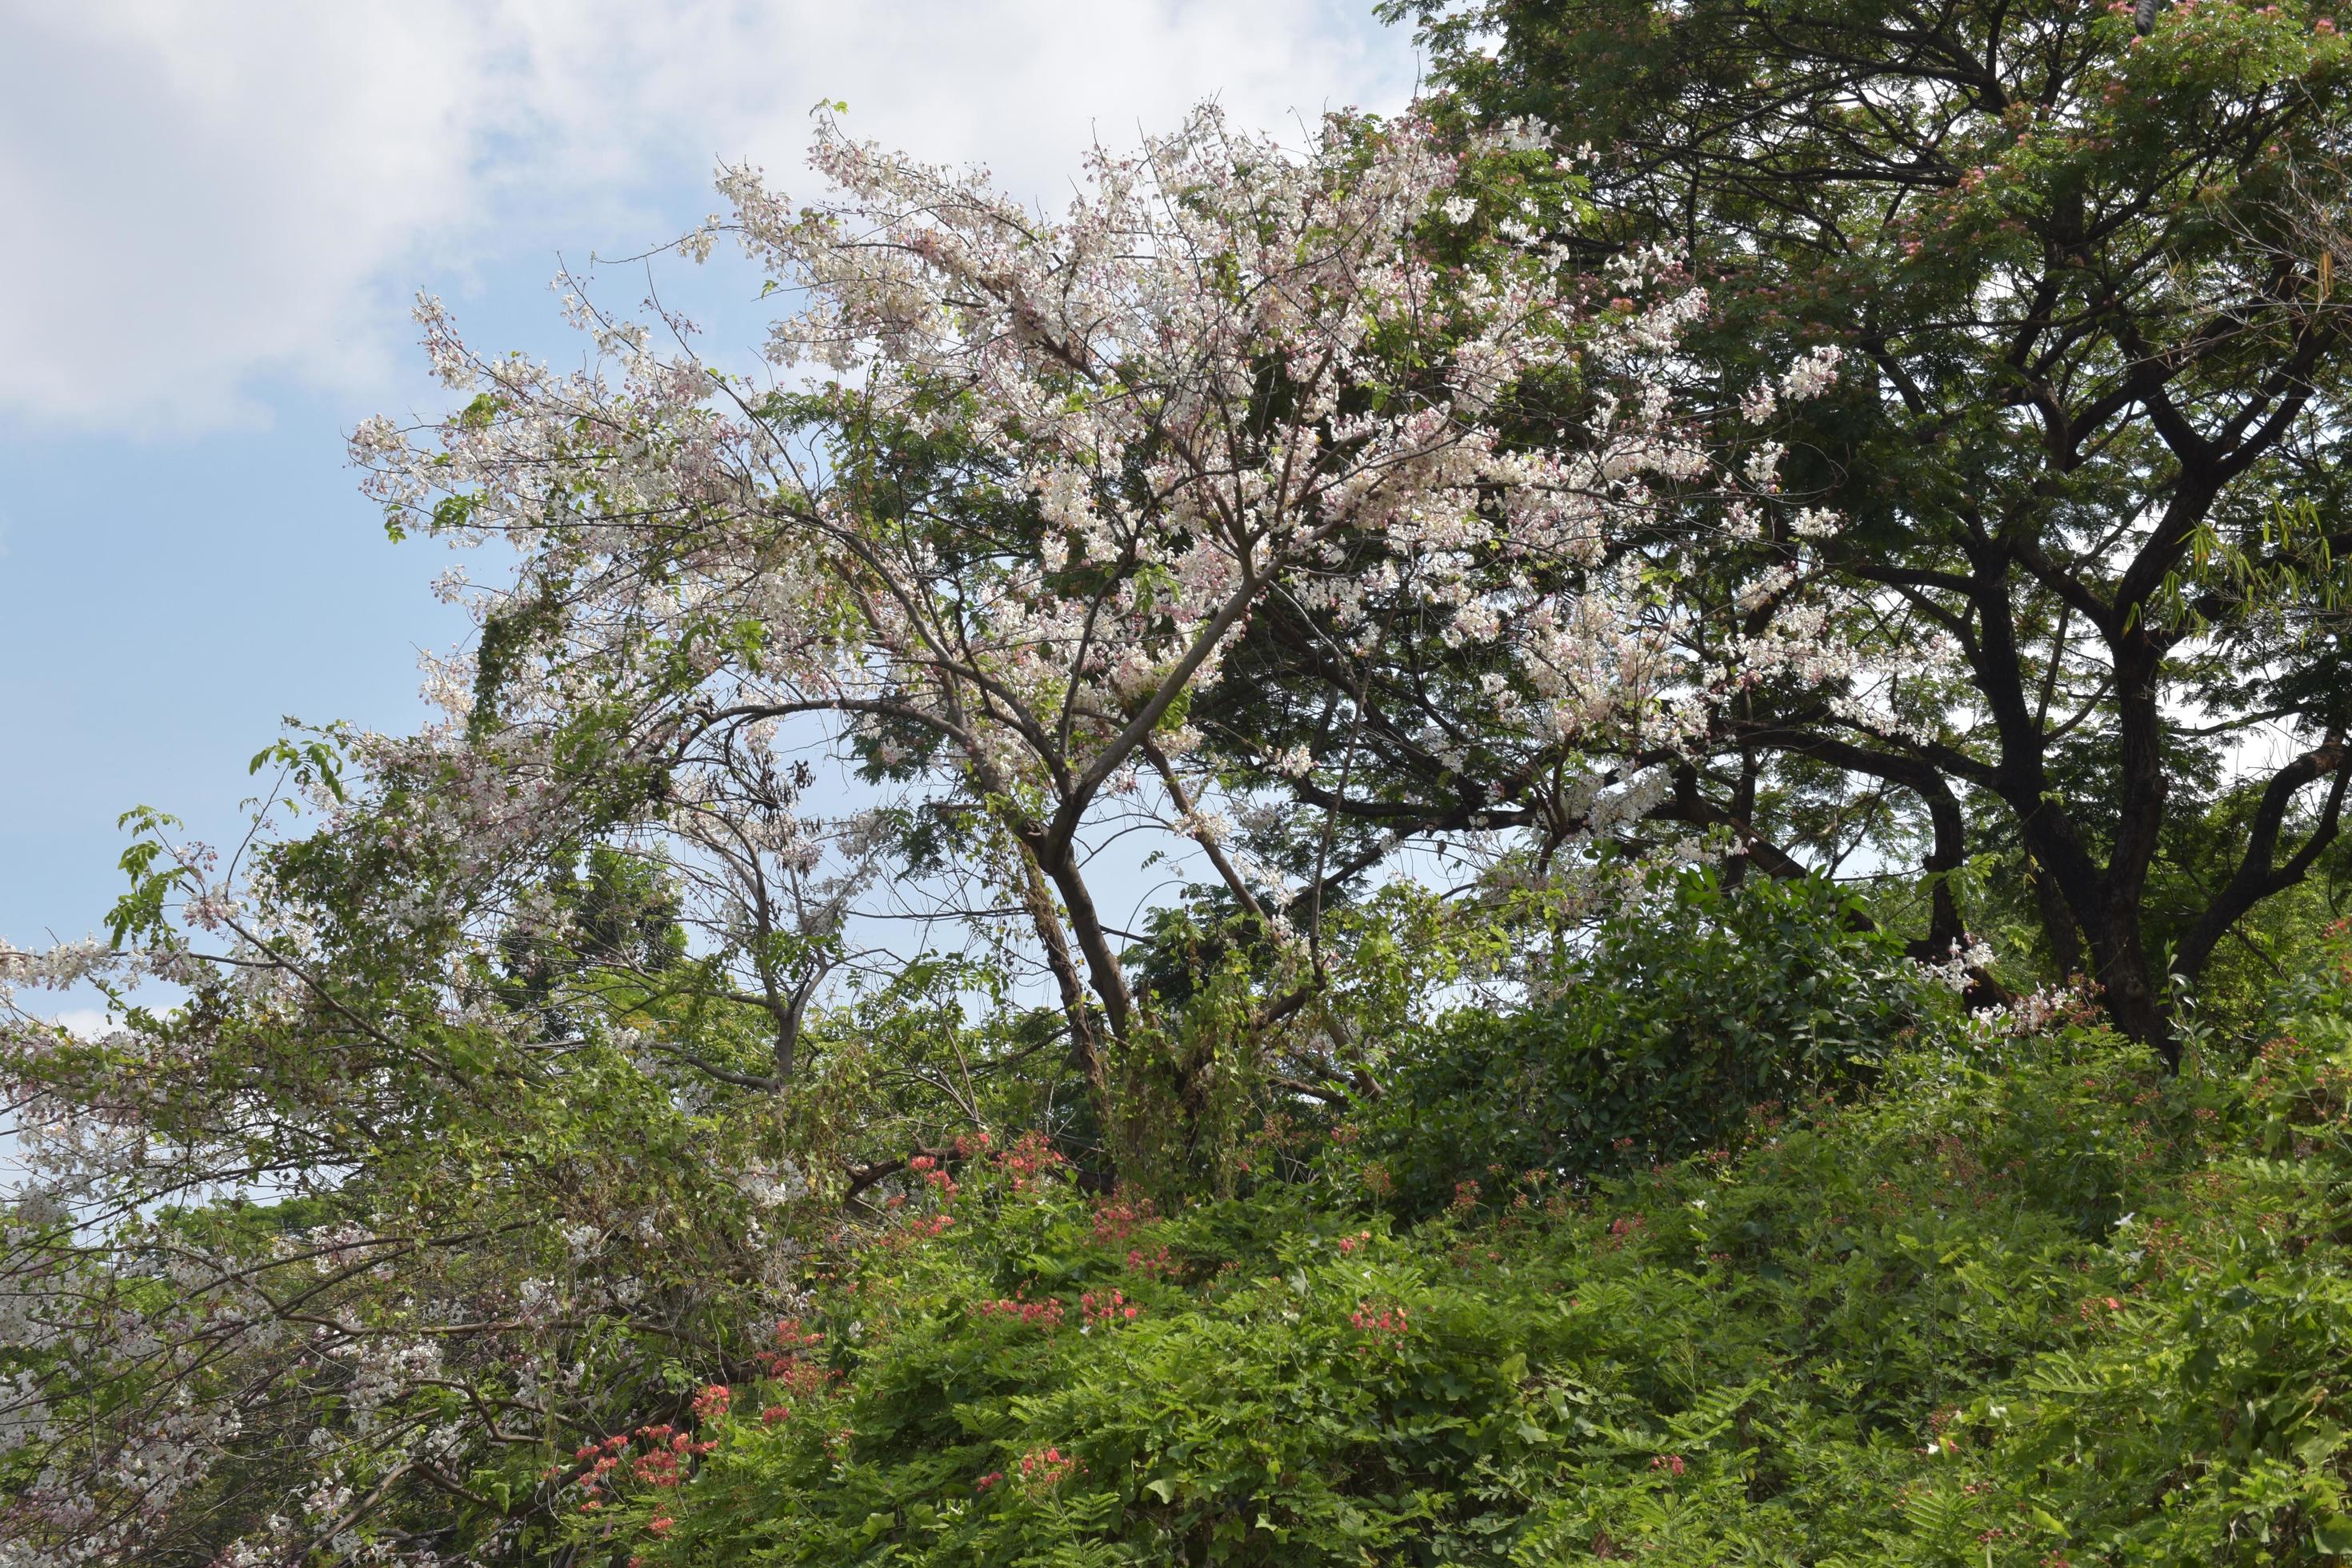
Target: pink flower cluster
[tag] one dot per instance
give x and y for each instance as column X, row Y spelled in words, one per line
column 1116, row 1218
column 1157, row 1264
column 659, row 1459
column 1048, row 1466
column 1107, row 1309
column 934, row 1176
column 1046, row 1314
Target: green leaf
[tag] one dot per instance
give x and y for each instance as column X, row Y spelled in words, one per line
column 2323, row 1441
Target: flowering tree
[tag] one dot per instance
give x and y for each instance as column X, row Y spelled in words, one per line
column 521, row 1079
column 1078, row 460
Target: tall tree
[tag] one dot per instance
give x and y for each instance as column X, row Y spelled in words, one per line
column 2099, row 443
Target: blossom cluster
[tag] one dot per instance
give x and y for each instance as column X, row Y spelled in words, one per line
column 1045, row 1315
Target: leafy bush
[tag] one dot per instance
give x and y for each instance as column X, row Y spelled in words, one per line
column 2044, row 1311
column 1691, row 1006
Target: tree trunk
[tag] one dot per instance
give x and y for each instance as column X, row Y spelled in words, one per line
column 2058, row 927
column 2133, row 995
column 1102, row 964
column 2106, row 907
column 1053, row 936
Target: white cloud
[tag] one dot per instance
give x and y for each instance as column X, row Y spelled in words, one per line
column 206, row 199
column 87, row 1023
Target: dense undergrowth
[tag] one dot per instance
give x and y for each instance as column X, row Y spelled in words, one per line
column 2032, row 1302
column 1683, row 1009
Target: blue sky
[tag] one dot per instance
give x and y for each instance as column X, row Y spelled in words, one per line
column 216, row 229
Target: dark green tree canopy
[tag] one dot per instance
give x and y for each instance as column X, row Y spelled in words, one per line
column 2098, row 442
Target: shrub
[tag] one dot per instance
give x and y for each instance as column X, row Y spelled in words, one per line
column 2048, row 1311
column 1691, row 1006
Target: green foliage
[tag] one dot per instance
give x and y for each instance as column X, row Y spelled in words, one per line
column 2040, row 1309
column 616, row 914
column 1690, row 1005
